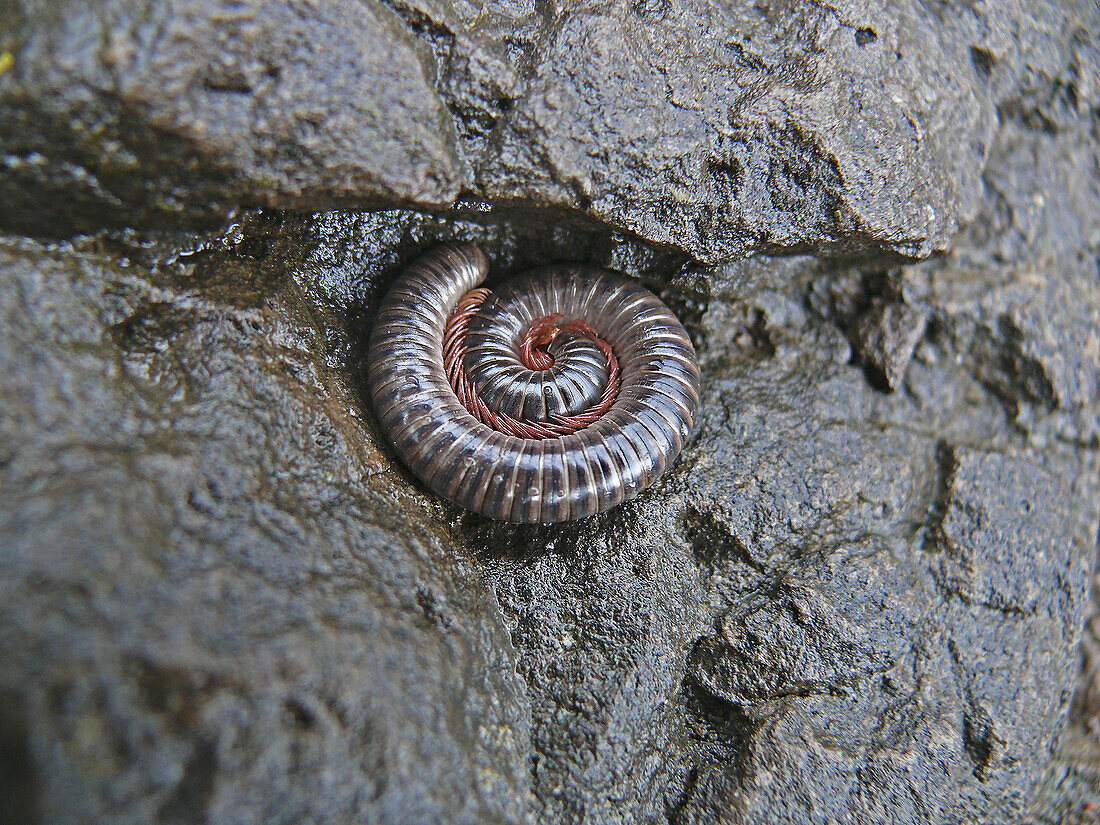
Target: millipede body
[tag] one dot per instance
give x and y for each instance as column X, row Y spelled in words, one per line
column 561, row 394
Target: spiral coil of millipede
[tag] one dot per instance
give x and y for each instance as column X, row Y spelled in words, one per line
column 561, row 394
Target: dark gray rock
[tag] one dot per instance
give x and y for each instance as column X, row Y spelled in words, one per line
column 125, row 112
column 880, row 600
column 729, row 130
column 997, row 554
column 1028, row 328
column 216, row 606
column 601, row 616
column 860, row 128
column 224, row 599
column 886, row 335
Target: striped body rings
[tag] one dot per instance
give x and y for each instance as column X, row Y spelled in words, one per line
column 562, row 394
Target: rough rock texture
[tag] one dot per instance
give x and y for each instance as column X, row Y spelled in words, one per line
column 859, row 596
column 719, row 130
column 212, row 617
column 166, row 113
column 885, row 337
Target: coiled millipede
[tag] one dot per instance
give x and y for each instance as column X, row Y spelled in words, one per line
column 564, row 393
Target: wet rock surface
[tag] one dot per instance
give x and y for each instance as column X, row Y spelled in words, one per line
column 866, row 592
column 165, row 114
column 859, row 128
column 208, row 616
